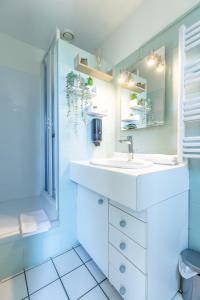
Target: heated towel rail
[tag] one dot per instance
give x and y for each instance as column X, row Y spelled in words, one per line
column 189, row 93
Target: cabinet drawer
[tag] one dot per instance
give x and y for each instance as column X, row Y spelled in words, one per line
column 129, row 281
column 129, row 225
column 140, row 215
column 134, row 252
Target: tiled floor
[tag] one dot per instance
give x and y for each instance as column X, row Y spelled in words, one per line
column 70, row 276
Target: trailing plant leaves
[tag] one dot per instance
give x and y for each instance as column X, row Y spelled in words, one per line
column 78, row 96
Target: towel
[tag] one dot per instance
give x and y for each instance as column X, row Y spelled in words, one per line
column 34, row 222
column 9, row 226
column 162, row 159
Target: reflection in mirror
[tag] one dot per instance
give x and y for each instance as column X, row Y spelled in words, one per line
column 142, row 92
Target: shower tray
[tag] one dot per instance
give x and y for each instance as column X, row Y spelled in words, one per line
column 10, row 212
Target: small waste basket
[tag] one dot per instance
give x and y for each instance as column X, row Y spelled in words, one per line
column 189, row 267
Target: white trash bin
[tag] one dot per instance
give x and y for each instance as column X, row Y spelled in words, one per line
column 189, row 267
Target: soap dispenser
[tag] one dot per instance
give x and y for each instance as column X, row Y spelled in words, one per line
column 96, row 128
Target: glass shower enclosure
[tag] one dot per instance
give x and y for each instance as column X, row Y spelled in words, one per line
column 29, row 149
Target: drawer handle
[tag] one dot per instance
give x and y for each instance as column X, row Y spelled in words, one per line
column 122, row 268
column 122, row 290
column 100, row 201
column 122, row 246
column 122, row 223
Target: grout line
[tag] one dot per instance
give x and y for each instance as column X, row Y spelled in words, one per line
column 47, row 260
column 11, row 277
column 84, row 262
column 98, row 284
column 103, row 280
column 31, row 268
column 78, row 245
column 62, row 253
column 103, row 289
column 94, row 287
column 70, row 271
column 43, row 287
column 26, row 283
column 60, row 279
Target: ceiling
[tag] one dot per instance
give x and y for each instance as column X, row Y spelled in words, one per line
column 35, row 21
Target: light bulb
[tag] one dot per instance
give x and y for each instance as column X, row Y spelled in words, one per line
column 151, row 60
column 121, row 78
column 131, row 83
column 160, row 67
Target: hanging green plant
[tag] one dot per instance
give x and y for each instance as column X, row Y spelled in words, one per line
column 78, row 94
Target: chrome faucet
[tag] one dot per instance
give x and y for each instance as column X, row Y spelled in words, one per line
column 129, row 141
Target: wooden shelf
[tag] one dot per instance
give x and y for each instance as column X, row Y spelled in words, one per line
column 135, row 88
column 78, row 66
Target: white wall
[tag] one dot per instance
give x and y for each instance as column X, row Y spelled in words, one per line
column 20, row 119
column 20, row 56
column 149, row 19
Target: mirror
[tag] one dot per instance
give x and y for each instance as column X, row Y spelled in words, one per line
column 142, row 92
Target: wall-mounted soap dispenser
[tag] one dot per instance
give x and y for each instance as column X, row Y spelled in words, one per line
column 96, row 128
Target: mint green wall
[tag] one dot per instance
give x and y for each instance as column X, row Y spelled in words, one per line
column 163, row 139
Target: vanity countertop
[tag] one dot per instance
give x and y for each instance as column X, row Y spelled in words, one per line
column 137, row 189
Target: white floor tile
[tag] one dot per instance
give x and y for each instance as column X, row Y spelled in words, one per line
column 95, row 294
column 96, row 272
column 82, row 253
column 110, row 291
column 78, row 282
column 40, row 276
column 54, row 291
column 67, row 262
column 14, row 288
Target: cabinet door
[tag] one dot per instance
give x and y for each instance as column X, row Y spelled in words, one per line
column 92, row 226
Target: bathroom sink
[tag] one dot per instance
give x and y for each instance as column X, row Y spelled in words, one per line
column 121, row 163
column 137, row 188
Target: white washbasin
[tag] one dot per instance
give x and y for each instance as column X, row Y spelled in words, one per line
column 122, row 163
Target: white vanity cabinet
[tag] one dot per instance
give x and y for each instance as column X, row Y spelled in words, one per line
column 144, row 248
column 136, row 231
column 92, row 226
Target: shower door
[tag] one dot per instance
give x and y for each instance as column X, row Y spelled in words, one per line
column 51, row 110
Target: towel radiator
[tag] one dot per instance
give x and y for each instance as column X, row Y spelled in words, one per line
column 189, row 92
